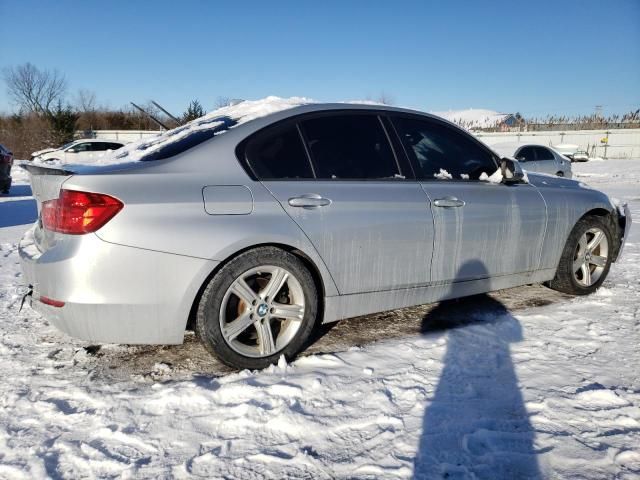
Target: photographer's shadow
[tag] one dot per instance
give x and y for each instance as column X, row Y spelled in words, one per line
column 476, row 425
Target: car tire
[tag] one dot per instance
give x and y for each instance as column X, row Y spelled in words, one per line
column 260, row 337
column 584, row 263
column 560, row 174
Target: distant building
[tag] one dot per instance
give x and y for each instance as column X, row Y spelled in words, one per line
column 480, row 119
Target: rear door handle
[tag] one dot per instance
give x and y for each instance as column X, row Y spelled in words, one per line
column 448, row 202
column 309, row 200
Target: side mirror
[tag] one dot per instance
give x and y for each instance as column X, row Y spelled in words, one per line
column 71, row 150
column 521, row 159
column 511, row 171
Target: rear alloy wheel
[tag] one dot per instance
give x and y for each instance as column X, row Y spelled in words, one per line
column 261, row 305
column 586, row 258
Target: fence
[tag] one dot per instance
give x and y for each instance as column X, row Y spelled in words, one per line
column 124, row 136
column 619, row 143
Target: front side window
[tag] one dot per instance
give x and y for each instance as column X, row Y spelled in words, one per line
column 80, row 147
column 544, row 153
column 278, row 153
column 441, row 152
column 527, row 154
column 348, row 146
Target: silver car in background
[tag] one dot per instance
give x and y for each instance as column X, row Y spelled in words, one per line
column 537, row 158
column 255, row 233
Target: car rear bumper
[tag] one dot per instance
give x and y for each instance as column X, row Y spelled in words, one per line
column 113, row 293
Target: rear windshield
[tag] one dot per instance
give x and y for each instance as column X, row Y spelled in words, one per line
column 173, row 143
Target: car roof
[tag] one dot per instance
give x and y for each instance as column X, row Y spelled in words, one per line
column 533, row 145
column 319, row 107
column 266, row 120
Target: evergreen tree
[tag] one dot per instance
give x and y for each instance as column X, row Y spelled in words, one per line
column 194, row 111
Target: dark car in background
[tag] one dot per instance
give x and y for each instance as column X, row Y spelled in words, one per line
column 6, row 162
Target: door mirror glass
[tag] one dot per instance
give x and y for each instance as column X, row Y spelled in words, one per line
column 511, row 171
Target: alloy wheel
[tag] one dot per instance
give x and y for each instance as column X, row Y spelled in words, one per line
column 591, row 256
column 262, row 310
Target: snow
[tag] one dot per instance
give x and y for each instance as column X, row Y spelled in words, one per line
column 443, row 175
column 473, row 117
column 545, row 386
column 495, row 177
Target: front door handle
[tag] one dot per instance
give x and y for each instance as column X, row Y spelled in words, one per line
column 448, row 202
column 309, row 200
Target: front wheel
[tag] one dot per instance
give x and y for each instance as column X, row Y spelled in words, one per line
column 586, row 257
column 260, row 305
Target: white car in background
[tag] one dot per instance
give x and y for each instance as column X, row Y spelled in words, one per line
column 572, row 152
column 79, row 151
column 537, row 158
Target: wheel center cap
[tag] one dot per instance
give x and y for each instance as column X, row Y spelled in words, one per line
column 262, row 309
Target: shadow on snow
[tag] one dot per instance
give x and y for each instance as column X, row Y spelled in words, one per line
column 476, row 425
column 18, row 212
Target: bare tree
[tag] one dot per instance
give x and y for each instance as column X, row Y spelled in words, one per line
column 35, row 90
column 385, row 98
column 88, row 115
column 222, row 102
column 86, row 101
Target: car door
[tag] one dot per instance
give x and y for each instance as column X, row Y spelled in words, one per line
column 338, row 178
column 546, row 161
column 481, row 227
column 527, row 158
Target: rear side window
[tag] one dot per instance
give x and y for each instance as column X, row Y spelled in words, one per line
column 98, row 146
column 527, row 154
column 278, row 153
column 349, row 147
column 544, row 153
column 441, row 152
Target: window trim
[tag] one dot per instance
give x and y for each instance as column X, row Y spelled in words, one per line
column 241, row 148
column 413, row 160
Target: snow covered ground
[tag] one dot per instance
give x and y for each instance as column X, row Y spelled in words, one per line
column 522, row 383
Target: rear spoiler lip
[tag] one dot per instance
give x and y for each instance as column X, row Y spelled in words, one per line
column 38, row 170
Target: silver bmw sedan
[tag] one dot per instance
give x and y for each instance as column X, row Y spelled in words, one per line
column 255, row 232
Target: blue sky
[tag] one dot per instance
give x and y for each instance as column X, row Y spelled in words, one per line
column 536, row 57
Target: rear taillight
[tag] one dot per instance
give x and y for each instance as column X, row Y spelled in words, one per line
column 52, row 302
column 77, row 213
